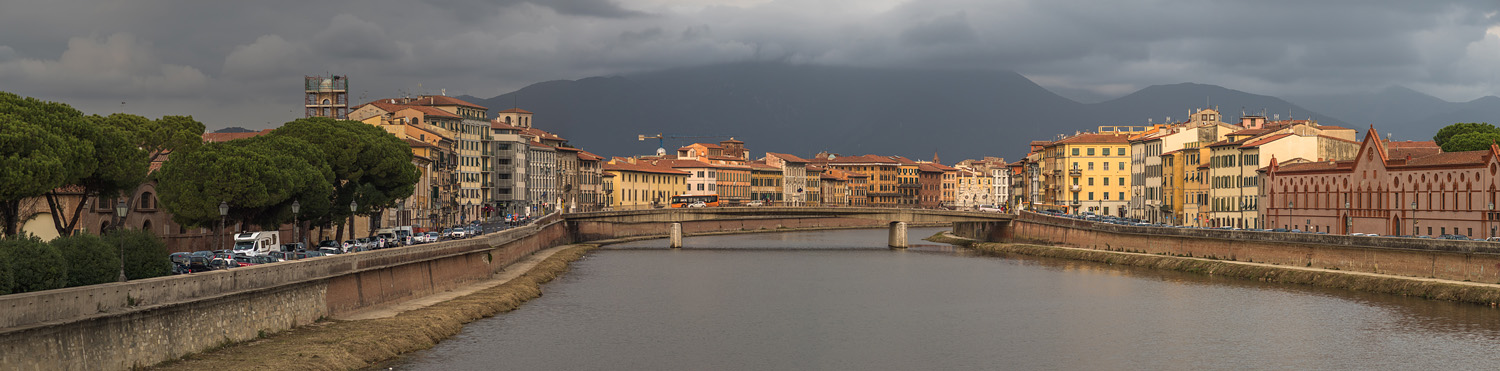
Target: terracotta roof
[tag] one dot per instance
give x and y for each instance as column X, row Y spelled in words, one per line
column 389, row 105
column 1413, row 152
column 497, row 125
column 1040, row 142
column 569, row 149
column 443, row 100
column 541, row 134
column 642, row 168
column 929, row 167
column 418, row 144
column 1093, row 138
column 946, row 167
column 1331, row 127
column 516, row 110
column 731, row 140
column 705, row 145
column 762, row 165
column 539, row 144
column 786, row 157
column 225, row 137
column 589, row 156
column 1451, row 158
column 1410, row 144
column 1259, row 142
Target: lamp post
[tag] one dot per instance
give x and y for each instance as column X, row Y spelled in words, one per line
column 296, row 228
column 1413, row 218
column 353, row 207
column 120, row 208
column 223, row 213
column 1348, row 216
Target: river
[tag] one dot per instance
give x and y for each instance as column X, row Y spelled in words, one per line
column 840, row 300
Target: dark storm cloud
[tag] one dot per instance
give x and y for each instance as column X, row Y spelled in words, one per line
column 239, row 63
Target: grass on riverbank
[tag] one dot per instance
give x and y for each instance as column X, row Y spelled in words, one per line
column 344, row 345
column 1483, row 294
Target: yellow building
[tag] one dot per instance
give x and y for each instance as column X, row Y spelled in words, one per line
column 765, row 183
column 643, row 185
column 1088, row 172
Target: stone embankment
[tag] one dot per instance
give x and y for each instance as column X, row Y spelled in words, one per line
column 345, row 345
column 1430, row 288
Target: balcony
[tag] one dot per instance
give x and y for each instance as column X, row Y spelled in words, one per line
column 1075, row 173
column 1075, row 188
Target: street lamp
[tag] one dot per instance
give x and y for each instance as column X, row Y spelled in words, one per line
column 353, row 207
column 1413, row 218
column 223, row 213
column 296, row 228
column 120, row 209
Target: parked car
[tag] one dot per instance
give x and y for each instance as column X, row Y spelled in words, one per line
column 697, row 204
column 995, row 209
column 434, row 236
column 180, row 262
column 755, row 203
column 200, row 261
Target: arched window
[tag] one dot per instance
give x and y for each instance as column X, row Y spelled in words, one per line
column 147, row 201
column 326, row 101
column 103, row 226
column 146, row 226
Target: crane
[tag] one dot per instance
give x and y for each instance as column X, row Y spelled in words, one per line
column 661, row 144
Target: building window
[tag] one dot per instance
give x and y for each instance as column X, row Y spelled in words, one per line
column 1091, row 181
column 1091, row 196
column 1122, row 181
column 1075, row 151
column 1091, row 151
column 1122, row 196
column 1106, row 151
column 1106, row 182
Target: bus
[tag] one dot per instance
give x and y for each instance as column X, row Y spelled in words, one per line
column 689, row 201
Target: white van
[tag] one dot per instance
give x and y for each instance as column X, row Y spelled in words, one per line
column 256, row 243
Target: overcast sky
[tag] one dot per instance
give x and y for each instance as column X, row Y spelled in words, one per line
column 239, row 63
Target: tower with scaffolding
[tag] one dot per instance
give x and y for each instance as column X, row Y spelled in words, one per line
column 327, row 96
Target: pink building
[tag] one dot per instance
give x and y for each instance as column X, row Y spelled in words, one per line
column 1390, row 188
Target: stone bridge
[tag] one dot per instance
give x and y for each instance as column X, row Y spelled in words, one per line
column 985, row 226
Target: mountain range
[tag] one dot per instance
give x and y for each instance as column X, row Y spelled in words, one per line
column 918, row 113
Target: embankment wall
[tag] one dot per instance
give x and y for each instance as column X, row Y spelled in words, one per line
column 1475, row 261
column 138, row 323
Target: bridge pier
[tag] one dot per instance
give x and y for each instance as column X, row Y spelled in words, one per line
column 676, row 235
column 897, row 238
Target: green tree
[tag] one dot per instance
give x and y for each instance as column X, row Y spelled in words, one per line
column 1472, row 141
column 258, row 177
column 125, row 146
column 145, row 254
column 7, row 281
column 370, row 166
column 35, row 265
column 43, row 146
column 1446, row 133
column 91, row 259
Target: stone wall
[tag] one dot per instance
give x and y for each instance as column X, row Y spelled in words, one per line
column 1475, row 261
column 138, row 323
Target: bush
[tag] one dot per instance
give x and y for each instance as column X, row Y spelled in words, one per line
column 145, row 254
column 7, row 283
column 91, row 260
column 34, row 265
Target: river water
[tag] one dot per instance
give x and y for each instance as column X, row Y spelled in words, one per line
column 840, row 300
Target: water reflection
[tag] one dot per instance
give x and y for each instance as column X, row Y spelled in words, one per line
column 842, row 300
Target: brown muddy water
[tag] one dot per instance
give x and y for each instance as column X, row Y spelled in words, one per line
column 840, row 300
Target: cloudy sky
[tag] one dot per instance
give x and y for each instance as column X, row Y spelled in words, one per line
column 240, row 63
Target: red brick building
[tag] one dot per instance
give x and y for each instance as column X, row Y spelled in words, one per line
column 1390, row 188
